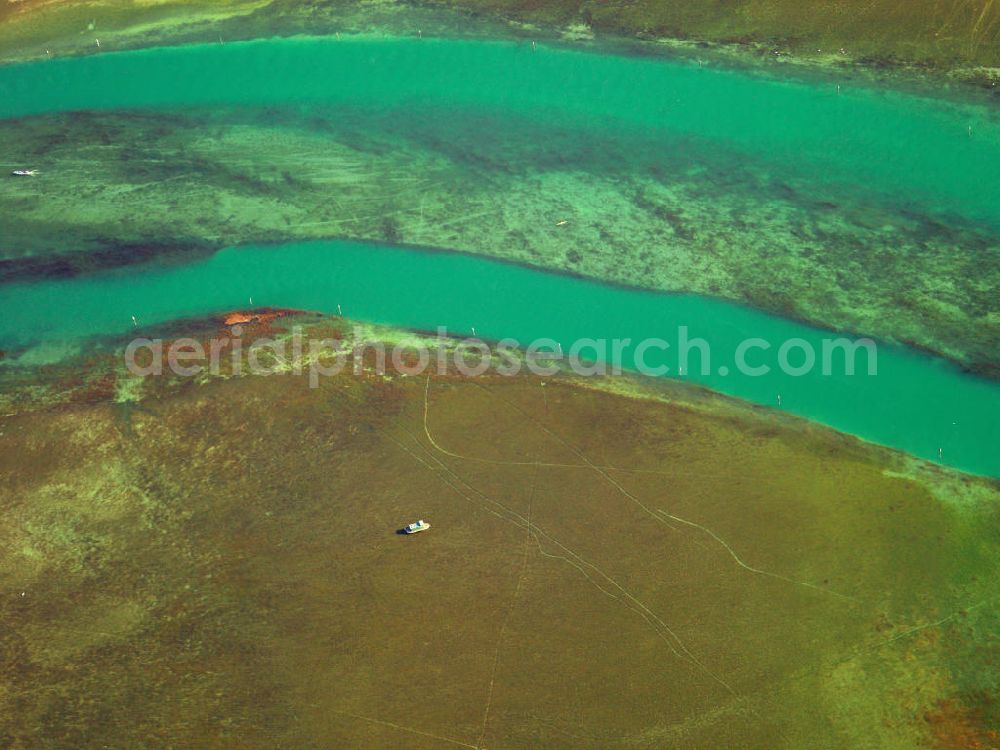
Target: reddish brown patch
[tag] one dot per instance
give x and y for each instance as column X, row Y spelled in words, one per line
column 262, row 317
column 99, row 389
column 238, row 318
column 955, row 726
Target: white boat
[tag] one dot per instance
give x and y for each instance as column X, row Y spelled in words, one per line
column 24, row 172
column 415, row 528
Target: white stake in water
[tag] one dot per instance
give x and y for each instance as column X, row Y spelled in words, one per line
column 135, row 323
column 339, row 312
column 779, row 399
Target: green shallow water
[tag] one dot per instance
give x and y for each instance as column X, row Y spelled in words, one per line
column 937, row 158
column 915, row 403
column 889, row 144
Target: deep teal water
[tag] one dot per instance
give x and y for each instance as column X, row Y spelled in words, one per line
column 879, row 143
column 915, row 403
column 876, row 140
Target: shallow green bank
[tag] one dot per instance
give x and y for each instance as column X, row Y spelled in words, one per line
column 854, row 209
column 937, row 164
column 881, row 142
column 913, row 403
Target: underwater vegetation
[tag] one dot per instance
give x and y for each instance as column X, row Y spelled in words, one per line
column 948, row 35
column 673, row 214
column 217, row 561
column 212, row 562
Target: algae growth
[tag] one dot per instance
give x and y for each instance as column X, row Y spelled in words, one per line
column 669, row 213
column 212, row 563
column 953, row 36
column 218, row 563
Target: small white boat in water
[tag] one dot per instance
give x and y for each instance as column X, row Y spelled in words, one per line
column 415, row 528
column 24, row 172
